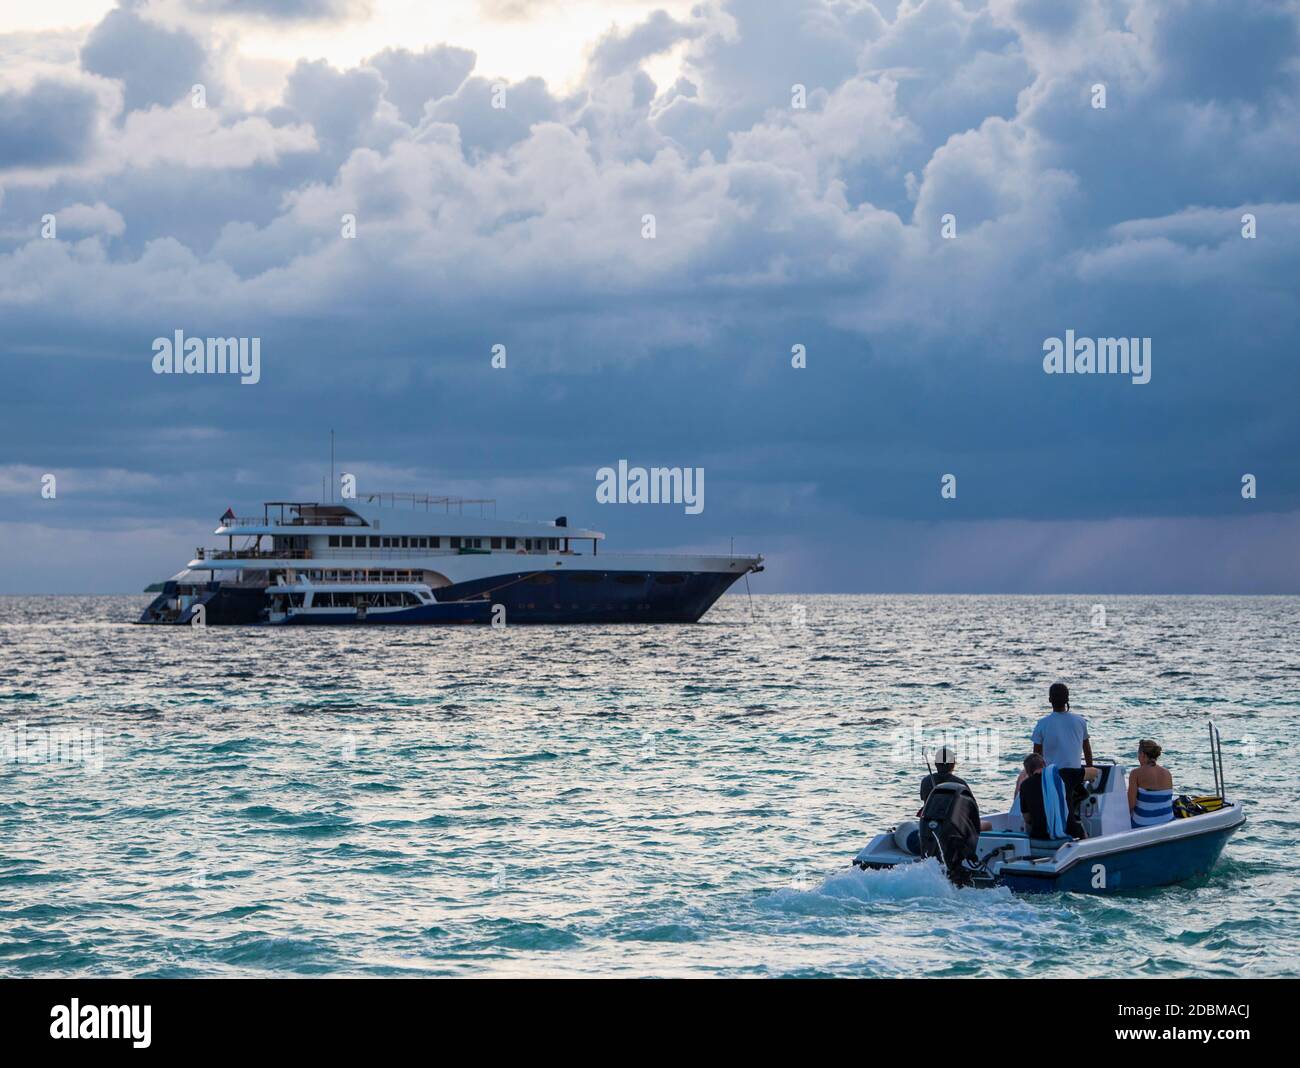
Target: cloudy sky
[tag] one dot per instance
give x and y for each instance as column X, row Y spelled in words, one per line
column 774, row 226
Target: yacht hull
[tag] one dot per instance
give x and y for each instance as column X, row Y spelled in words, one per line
column 528, row 597
column 597, row 596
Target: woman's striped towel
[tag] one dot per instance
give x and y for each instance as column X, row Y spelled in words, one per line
column 1153, row 807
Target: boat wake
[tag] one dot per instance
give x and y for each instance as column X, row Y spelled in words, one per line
column 849, row 888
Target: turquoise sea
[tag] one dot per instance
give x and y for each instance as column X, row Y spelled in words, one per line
column 621, row 800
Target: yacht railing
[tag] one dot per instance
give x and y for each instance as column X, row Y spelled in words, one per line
column 253, row 554
column 429, row 502
column 294, row 521
column 361, row 554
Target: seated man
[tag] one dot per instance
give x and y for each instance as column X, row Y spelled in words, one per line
column 944, row 761
column 1034, row 806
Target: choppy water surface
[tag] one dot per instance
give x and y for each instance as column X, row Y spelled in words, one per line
column 673, row 800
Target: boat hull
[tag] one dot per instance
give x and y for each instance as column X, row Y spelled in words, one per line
column 1122, row 870
column 476, row 612
column 597, row 596
column 527, row 596
column 1139, row 859
column 223, row 603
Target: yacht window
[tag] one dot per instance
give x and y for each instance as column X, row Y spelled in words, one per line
column 374, row 542
column 404, row 542
column 435, row 542
column 496, row 543
column 345, row 540
column 295, row 599
column 553, row 543
column 334, row 541
column 455, row 543
column 510, row 543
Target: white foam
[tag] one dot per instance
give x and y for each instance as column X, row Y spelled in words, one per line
column 921, row 880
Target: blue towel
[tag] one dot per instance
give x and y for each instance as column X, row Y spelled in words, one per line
column 1054, row 805
column 1153, row 807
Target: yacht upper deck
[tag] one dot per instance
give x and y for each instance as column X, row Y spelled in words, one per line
column 397, row 514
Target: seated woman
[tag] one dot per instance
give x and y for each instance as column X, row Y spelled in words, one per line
column 1150, row 788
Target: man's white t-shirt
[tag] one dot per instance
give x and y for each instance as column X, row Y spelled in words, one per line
column 1061, row 735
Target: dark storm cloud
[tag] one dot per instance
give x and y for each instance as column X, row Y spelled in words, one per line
column 49, row 123
column 412, row 78
column 156, row 65
column 1228, row 50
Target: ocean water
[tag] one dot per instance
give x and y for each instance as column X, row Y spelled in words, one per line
column 629, row 801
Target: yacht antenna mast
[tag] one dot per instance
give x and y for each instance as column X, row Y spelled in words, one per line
column 331, row 466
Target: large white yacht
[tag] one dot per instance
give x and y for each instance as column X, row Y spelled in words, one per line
column 408, row 558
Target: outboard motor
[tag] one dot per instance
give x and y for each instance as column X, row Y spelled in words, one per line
column 950, row 829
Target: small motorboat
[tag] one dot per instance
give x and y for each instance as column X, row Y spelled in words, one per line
column 1112, row 856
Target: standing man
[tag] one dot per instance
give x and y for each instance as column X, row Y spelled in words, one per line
column 1061, row 737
